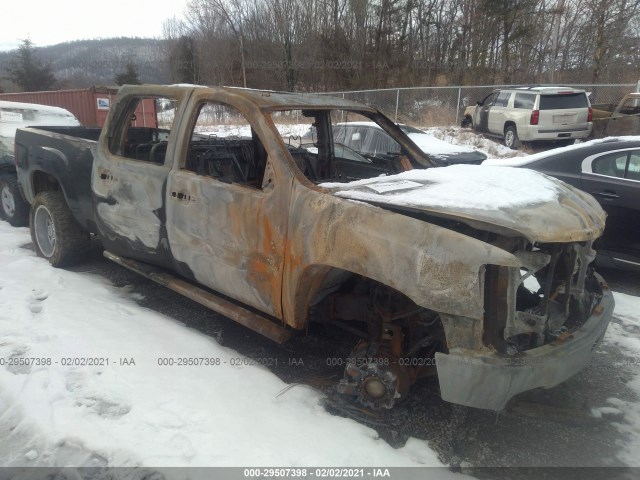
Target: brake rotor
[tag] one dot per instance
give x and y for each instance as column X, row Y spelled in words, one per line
column 378, row 381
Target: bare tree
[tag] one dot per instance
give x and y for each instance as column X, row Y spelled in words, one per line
column 350, row 44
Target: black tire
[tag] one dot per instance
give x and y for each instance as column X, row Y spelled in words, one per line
column 511, row 139
column 56, row 235
column 13, row 208
column 466, row 122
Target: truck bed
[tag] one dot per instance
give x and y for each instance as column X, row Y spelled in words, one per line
column 46, row 153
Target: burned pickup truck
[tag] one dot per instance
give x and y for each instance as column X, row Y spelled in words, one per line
column 483, row 273
column 623, row 118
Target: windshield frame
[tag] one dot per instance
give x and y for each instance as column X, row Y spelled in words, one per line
column 415, row 156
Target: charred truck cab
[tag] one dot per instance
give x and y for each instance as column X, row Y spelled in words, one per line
column 245, row 202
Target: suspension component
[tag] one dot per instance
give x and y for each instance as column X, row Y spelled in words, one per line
column 374, row 374
column 382, row 367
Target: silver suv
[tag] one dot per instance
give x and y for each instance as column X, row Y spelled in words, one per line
column 559, row 114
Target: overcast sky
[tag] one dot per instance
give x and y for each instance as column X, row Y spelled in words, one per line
column 47, row 22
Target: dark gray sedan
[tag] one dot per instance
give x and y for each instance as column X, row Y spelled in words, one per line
column 367, row 138
column 608, row 169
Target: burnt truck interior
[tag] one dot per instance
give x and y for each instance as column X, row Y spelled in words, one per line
column 225, row 146
column 146, row 142
column 240, row 157
column 230, row 160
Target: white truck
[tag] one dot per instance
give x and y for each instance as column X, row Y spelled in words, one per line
column 526, row 114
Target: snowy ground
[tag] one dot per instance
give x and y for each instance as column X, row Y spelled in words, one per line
column 624, row 334
column 54, row 413
column 466, row 136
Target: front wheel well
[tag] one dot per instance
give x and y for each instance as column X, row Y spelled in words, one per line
column 316, row 283
column 319, row 283
column 396, row 339
column 329, row 293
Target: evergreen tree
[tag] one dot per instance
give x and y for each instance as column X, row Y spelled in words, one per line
column 28, row 72
column 129, row 76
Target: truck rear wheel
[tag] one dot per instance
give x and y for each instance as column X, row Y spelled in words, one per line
column 55, row 233
column 13, row 208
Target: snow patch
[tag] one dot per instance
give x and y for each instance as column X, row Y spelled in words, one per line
column 624, row 332
column 471, row 139
column 603, row 411
column 147, row 414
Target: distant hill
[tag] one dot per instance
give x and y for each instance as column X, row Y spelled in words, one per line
column 84, row 63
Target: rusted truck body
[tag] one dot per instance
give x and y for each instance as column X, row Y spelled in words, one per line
column 227, row 206
column 618, row 119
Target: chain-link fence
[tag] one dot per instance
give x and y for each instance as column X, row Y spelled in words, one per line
column 442, row 106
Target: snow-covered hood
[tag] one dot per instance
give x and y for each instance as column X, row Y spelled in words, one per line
column 498, row 199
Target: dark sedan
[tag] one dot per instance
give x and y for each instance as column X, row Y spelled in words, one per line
column 369, row 139
column 608, row 169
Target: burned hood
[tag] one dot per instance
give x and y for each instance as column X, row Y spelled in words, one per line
column 497, row 199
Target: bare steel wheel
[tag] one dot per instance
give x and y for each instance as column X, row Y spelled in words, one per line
column 13, row 208
column 45, row 231
column 8, row 205
column 55, row 233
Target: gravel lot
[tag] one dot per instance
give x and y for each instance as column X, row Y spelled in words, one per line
column 541, row 428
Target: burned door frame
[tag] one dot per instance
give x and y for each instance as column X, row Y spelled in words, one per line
column 621, row 124
column 129, row 194
column 228, row 236
column 483, row 110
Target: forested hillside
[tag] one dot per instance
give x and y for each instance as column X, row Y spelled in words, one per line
column 97, row 62
column 354, row 44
